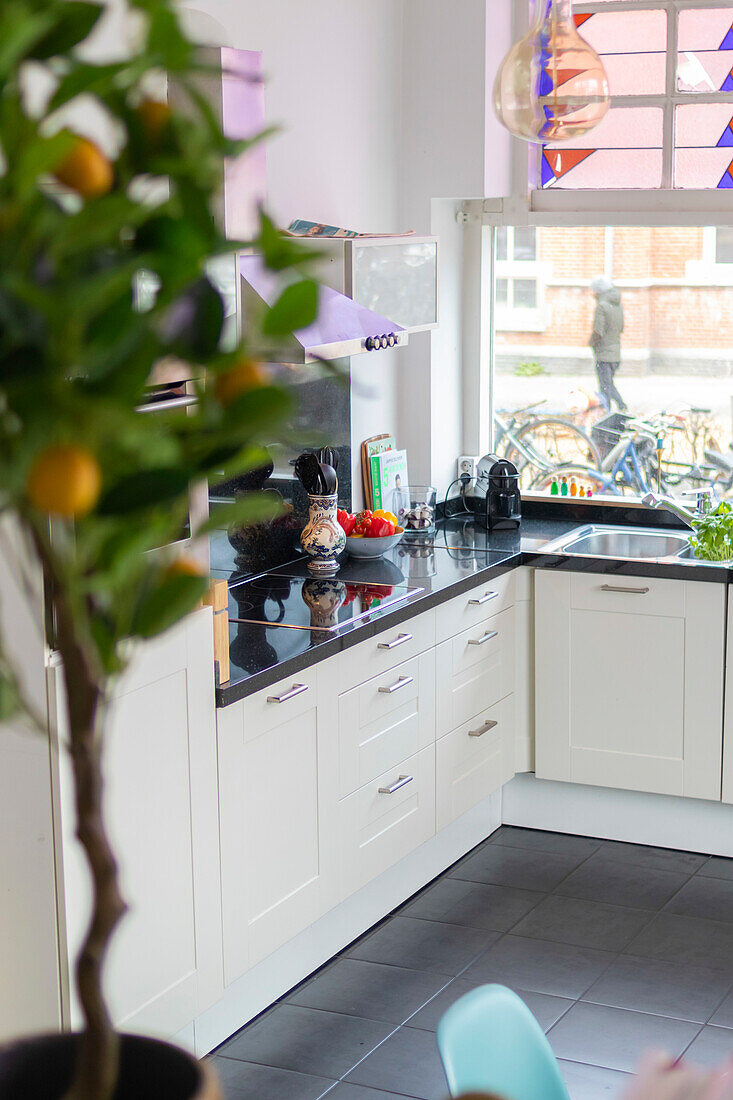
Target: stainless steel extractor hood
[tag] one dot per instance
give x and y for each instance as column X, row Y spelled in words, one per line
column 343, row 327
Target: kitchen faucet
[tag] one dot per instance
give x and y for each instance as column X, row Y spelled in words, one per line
column 703, row 504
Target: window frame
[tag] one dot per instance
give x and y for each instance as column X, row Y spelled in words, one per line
column 560, row 201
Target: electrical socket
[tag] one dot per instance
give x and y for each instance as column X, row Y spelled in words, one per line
column 467, row 465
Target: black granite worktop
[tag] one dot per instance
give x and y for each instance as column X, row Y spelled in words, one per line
column 418, row 574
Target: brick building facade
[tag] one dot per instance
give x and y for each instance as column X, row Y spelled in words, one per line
column 677, row 293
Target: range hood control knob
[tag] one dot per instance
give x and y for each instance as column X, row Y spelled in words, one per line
column 392, row 339
column 385, row 341
column 371, row 343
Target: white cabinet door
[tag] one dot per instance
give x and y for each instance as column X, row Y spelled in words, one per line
column 274, row 844
column 164, row 965
column 474, row 761
column 474, row 670
column 629, row 682
column 385, row 720
column 728, row 725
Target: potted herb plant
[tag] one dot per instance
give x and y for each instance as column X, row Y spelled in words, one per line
column 91, row 485
column 712, row 537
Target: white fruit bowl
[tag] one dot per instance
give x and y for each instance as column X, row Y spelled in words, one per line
column 372, row 548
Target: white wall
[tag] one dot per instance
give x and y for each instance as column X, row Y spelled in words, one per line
column 386, row 125
column 333, row 71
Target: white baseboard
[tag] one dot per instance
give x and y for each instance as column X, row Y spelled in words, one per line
column 689, row 824
column 290, row 964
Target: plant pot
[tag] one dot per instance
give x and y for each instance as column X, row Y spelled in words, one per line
column 41, row 1068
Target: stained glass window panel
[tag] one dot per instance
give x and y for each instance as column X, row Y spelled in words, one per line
column 633, row 48
column 705, row 58
column 704, row 145
column 626, row 151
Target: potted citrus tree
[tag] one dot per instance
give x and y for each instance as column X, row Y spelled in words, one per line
column 93, row 486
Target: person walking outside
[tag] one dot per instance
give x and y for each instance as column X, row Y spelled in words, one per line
column 608, row 324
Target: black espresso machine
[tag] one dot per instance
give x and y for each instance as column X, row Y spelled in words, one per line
column 498, row 502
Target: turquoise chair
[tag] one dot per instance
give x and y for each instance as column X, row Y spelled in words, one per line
column 490, row 1042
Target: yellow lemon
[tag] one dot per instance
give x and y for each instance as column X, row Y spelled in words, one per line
column 86, row 170
column 65, row 480
column 246, row 375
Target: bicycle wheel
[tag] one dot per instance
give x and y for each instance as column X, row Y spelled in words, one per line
column 542, row 444
column 589, row 479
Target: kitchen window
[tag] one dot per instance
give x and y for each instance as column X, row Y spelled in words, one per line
column 670, row 124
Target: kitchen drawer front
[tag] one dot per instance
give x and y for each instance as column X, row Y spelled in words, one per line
column 474, row 670
column 386, row 650
column 297, row 695
column 474, row 761
column 376, row 829
column 628, row 595
column 474, row 606
column 386, row 720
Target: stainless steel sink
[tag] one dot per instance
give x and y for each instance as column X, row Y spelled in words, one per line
column 637, row 543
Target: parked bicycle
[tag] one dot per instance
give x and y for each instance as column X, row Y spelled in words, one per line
column 538, row 445
column 630, row 464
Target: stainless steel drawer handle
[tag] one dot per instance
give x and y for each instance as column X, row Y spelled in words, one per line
column 478, row 601
column 401, row 781
column 488, row 725
column 484, row 638
column 296, row 689
column 620, row 588
column 402, row 682
column 399, row 640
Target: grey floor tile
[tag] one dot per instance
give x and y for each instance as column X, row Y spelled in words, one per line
column 424, row 945
column 246, row 1079
column 345, row 1091
column 686, row 939
column 477, row 905
column 660, row 987
column 724, row 1015
column 547, row 1010
column 712, row 1046
column 537, row 840
column 526, row 870
column 661, row 859
column 407, row 1063
column 620, row 883
column 324, row 1044
column 614, row 1038
column 717, row 867
column 559, row 969
column 370, row 990
column 583, row 923
column 706, row 897
column 593, row 1082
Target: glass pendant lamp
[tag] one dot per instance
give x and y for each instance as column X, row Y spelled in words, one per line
column 552, row 85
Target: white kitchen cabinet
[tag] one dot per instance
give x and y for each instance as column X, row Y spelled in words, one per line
column 385, row 720
column 728, row 721
column 164, row 966
column 386, row 819
column 629, row 682
column 474, row 760
column 474, row 669
column 277, row 749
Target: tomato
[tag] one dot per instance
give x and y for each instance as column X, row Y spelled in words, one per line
column 363, row 523
column 380, row 528
column 346, row 520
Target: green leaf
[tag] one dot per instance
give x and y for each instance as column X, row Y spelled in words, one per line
column 296, row 307
column 143, row 490
column 168, row 602
column 97, row 79
column 74, row 21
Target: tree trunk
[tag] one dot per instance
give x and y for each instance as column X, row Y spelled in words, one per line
column 97, row 1065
